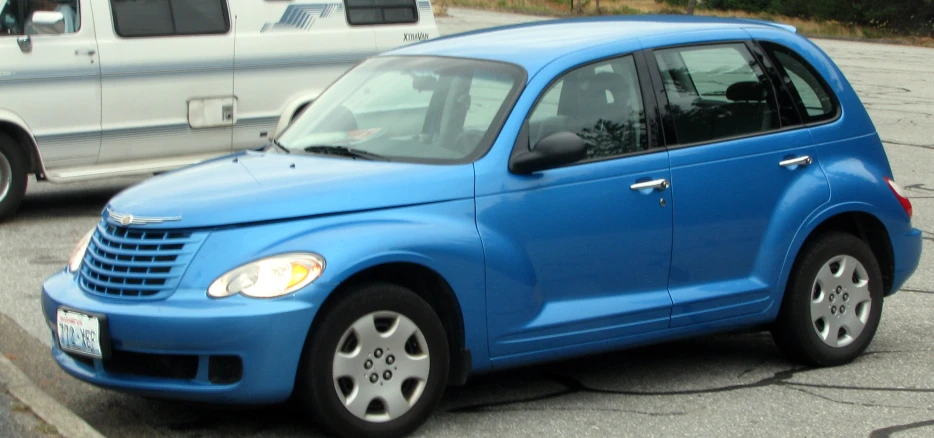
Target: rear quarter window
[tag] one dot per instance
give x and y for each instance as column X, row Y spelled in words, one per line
column 815, row 99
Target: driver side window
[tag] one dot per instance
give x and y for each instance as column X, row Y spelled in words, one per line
column 601, row 103
column 39, row 17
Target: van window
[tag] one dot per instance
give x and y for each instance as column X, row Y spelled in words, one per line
column 716, row 92
column 150, row 18
column 363, row 12
column 16, row 17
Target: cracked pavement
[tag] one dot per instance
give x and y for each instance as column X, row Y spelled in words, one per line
column 726, row 385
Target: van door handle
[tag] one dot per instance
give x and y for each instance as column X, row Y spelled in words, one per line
column 90, row 52
column 800, row 161
column 658, row 184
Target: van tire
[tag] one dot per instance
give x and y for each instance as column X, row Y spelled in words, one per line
column 12, row 176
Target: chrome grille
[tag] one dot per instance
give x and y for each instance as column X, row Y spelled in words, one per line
column 134, row 263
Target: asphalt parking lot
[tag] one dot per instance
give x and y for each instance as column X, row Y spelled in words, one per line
column 729, row 385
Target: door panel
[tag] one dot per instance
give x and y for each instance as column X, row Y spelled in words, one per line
column 149, row 81
column 736, row 208
column 734, row 220
column 577, row 254
column 55, row 87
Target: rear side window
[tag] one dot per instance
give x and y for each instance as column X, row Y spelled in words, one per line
column 364, row 12
column 816, row 101
column 150, row 18
column 716, row 92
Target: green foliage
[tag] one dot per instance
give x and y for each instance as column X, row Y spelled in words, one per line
column 904, row 16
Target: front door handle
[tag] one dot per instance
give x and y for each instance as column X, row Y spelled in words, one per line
column 658, row 184
column 89, row 52
column 800, row 161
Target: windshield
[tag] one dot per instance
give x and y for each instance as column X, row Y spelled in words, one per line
column 424, row 109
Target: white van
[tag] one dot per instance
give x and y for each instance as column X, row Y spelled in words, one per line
column 100, row 88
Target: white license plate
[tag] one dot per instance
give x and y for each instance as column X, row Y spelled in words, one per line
column 79, row 333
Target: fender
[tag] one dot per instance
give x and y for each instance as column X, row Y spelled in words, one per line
column 35, row 157
column 440, row 236
column 288, row 111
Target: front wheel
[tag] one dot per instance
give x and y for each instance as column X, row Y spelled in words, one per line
column 833, row 302
column 377, row 363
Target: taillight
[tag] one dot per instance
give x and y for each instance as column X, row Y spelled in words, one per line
column 901, row 195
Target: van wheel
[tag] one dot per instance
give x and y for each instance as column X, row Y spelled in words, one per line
column 376, row 363
column 833, row 302
column 12, row 176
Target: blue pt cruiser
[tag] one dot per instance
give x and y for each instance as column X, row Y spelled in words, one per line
column 495, row 199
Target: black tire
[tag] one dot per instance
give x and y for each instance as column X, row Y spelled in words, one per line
column 11, row 153
column 794, row 331
column 317, row 392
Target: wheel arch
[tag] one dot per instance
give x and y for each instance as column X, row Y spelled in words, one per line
column 855, row 219
column 16, row 127
column 430, row 286
column 291, row 109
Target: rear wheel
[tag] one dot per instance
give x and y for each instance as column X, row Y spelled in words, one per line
column 833, row 302
column 12, row 176
column 376, row 364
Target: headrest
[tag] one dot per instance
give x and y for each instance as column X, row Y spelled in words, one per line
column 607, row 81
column 745, row 92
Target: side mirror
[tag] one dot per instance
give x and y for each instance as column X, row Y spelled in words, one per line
column 47, row 22
column 553, row 151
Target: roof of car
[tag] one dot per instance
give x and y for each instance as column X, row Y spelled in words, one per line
column 535, row 44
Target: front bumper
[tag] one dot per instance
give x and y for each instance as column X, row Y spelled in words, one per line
column 176, row 348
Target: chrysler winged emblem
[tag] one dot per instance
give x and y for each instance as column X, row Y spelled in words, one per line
column 129, row 219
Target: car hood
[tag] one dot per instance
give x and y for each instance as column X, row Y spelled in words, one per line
column 255, row 187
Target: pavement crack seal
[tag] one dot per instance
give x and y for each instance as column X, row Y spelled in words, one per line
column 865, row 405
column 889, row 431
column 923, row 146
column 917, row 291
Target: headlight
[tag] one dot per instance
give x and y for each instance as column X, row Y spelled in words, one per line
column 77, row 255
column 269, row 277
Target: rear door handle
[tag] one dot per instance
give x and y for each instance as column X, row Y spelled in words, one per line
column 800, row 161
column 658, row 184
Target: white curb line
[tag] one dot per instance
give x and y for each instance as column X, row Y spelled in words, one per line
column 69, row 425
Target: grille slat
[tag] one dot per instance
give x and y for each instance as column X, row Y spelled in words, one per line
column 138, row 264
column 138, row 250
column 142, row 264
column 140, row 275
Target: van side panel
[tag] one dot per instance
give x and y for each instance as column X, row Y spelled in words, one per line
column 289, row 52
column 285, row 50
column 147, row 84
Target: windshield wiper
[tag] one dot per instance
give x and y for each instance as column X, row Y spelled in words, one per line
column 279, row 145
column 345, row 152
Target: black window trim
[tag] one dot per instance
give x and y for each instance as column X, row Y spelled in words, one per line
column 650, row 107
column 796, row 97
column 418, row 17
column 663, row 105
column 778, row 85
column 225, row 10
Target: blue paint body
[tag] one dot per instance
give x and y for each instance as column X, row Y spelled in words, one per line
column 560, row 263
